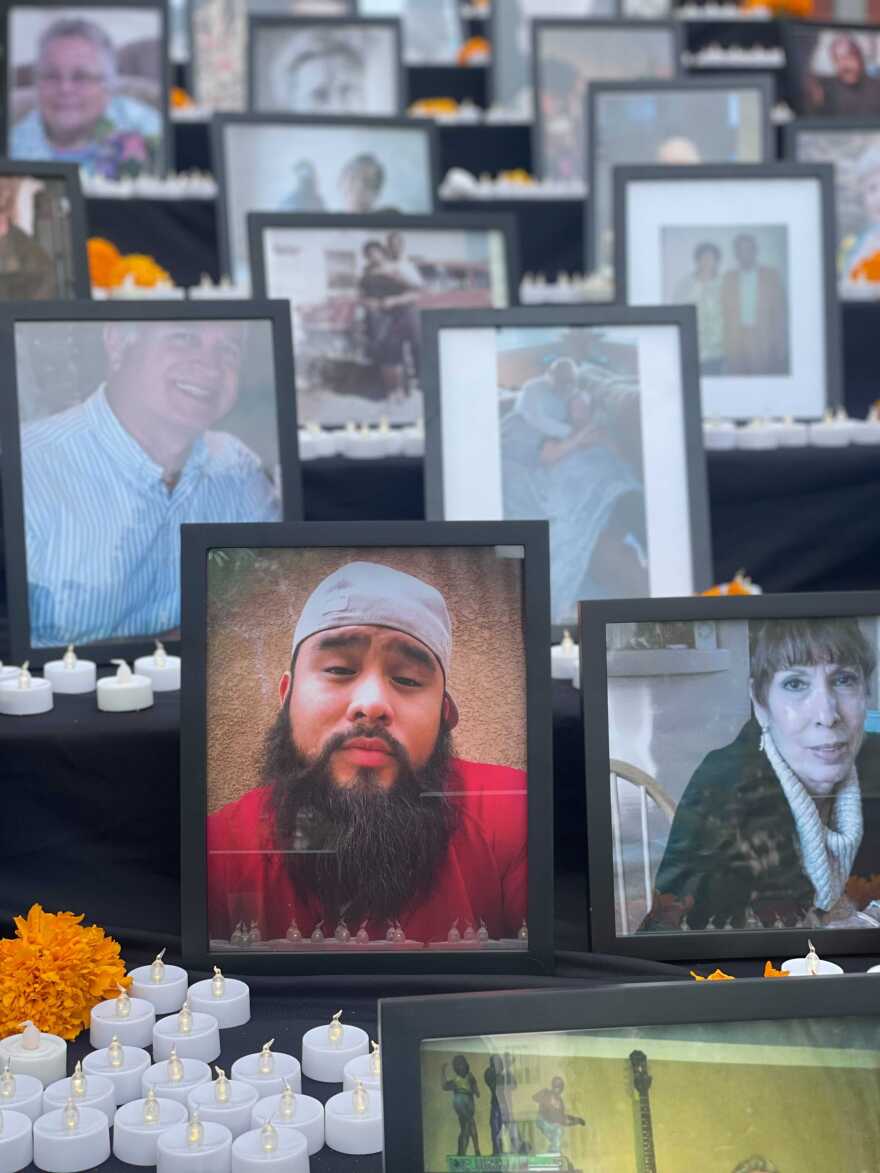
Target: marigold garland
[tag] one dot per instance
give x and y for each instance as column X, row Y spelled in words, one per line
column 717, row 975
column 54, row 971
column 770, row 971
column 108, row 268
column 868, row 269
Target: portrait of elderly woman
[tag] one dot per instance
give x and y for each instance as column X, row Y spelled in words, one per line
column 781, row 827
column 88, row 89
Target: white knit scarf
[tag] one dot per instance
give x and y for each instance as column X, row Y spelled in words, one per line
column 828, row 852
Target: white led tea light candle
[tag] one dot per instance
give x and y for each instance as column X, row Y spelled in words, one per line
column 92, row 1091
column 130, row 1019
column 327, row 1049
column 70, row 674
column 225, row 1101
column 195, row 1147
column 195, row 1036
column 24, row 695
column 125, row 692
column 810, row 966
column 303, row 1114
column 174, row 1078
column 123, row 1066
column 564, row 658
column 138, row 1125
column 268, row 1071
column 16, row 1141
column 366, row 1069
column 43, row 1056
column 228, row 999
column 283, row 1150
column 162, row 985
column 353, row 1122
column 70, row 1139
column 20, row 1093
column 162, row 670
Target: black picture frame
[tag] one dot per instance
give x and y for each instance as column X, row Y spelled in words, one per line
column 791, row 31
column 454, row 8
column 682, row 318
column 820, row 173
column 15, row 313
column 406, row 1023
column 160, row 7
column 595, row 617
column 262, row 23
column 219, row 122
column 618, row 26
column 68, row 173
column 762, row 83
column 497, row 31
column 198, row 540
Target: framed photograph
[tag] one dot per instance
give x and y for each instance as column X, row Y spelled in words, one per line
column 357, row 288
column 123, row 421
column 510, row 34
column 832, row 70
column 752, row 246
column 587, row 418
column 852, row 147
column 302, row 65
column 666, row 1075
column 285, row 163
column 88, row 85
column 42, row 233
column 690, row 120
column 433, row 30
column 358, row 799
column 853, row 11
column 733, row 774
column 567, row 56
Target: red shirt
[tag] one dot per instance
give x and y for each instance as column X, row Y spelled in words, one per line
column 483, row 874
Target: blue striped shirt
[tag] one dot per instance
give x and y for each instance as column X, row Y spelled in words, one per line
column 102, row 528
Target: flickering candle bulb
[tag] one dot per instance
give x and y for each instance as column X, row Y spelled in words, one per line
column 221, row 1087
column 123, row 1004
column 218, row 984
column 138, row 1125
column 375, row 1058
column 96, row 1091
column 227, row 999
column 195, row 1132
column 335, row 1032
column 21, row 1093
column 327, row 1049
column 16, row 1143
column 78, row 1085
column 353, row 1122
column 7, row 1083
column 306, row 1117
column 71, row 1138
column 185, row 1018
column 23, row 695
column 161, row 984
column 810, row 966
column 157, row 968
column 175, row 1066
column 266, row 1062
column 160, row 668
column 564, row 658
column 115, row 1052
column 70, row 1116
column 70, row 674
column 151, row 1107
column 268, row 1138
column 126, row 692
column 123, row 1066
column 287, row 1103
column 229, row 1102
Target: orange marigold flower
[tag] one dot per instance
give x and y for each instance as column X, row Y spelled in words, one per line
column 474, row 49
column 717, row 976
column 178, row 98
column 105, row 263
column 868, row 269
column 771, row 971
column 144, row 270
column 54, row 971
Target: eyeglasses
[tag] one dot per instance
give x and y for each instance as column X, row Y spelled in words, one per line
column 78, row 78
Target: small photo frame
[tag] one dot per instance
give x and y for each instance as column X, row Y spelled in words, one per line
column 88, row 85
column 733, row 775
column 510, row 34
column 123, row 421
column 43, row 248
column 686, row 121
column 359, row 799
column 357, row 288
column 348, row 68
column 852, row 147
column 832, row 70
column 433, row 30
column 567, row 57
column 289, row 163
column 661, row 1075
column 752, row 246
column 586, row 418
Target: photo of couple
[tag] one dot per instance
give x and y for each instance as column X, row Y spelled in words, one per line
column 737, row 279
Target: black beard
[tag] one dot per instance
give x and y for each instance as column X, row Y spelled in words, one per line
column 369, row 852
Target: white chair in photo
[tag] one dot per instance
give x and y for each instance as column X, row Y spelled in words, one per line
column 649, row 790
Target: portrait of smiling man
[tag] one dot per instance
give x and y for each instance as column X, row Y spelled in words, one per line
column 364, row 814
column 116, row 474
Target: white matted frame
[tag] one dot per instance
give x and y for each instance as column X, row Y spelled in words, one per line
column 795, row 373
column 479, row 434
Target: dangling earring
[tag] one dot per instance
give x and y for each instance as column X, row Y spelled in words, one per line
column 763, row 742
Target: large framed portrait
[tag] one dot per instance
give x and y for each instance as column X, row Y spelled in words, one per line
column 511, row 38
column 832, row 69
column 306, row 65
column 752, row 246
column 42, row 233
column 357, row 288
column 433, row 30
column 288, row 163
column 358, row 799
column 88, row 85
column 567, row 57
column 852, row 147
column 121, row 422
column 733, row 774
column 587, row 418
column 662, row 1075
column 689, row 120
